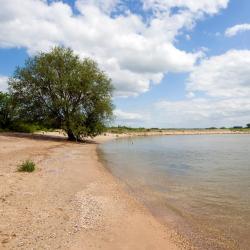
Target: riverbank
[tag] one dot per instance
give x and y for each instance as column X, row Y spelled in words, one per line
column 71, row 201
column 182, row 132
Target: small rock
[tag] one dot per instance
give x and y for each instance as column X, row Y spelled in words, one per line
column 20, row 244
column 53, row 235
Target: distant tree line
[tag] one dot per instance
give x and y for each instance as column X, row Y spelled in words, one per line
column 58, row 90
column 234, row 127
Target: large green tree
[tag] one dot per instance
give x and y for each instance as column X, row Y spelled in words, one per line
column 60, row 90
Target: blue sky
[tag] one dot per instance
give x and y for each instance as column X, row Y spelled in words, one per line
column 173, row 63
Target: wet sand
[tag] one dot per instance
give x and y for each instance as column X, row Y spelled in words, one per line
column 71, row 201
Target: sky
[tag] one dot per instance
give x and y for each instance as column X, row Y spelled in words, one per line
column 173, row 63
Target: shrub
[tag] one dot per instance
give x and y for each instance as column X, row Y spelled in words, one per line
column 27, row 166
column 7, row 111
column 25, row 127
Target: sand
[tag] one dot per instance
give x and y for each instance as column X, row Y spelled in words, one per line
column 71, row 201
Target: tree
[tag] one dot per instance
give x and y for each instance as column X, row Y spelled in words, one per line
column 237, row 127
column 7, row 111
column 248, row 125
column 59, row 90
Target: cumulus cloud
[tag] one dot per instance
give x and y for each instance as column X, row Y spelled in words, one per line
column 128, row 118
column 135, row 52
column 226, row 75
column 218, row 94
column 3, row 83
column 208, row 6
column 204, row 112
column 106, row 6
column 239, row 28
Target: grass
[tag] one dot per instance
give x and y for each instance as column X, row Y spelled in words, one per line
column 27, row 166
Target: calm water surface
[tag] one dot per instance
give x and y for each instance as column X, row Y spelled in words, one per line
column 199, row 185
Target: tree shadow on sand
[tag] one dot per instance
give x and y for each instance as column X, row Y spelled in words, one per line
column 45, row 137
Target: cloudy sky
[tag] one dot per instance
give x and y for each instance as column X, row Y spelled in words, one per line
column 174, row 63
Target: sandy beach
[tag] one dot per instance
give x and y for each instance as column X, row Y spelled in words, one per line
column 70, row 202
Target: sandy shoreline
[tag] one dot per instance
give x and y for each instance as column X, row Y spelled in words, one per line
column 70, row 201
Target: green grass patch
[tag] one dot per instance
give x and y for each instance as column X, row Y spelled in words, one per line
column 27, row 166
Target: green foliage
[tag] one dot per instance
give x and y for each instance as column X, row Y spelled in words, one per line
column 237, row 127
column 8, row 114
column 59, row 90
column 27, row 166
column 248, row 125
column 125, row 129
column 20, row 126
column 10, row 119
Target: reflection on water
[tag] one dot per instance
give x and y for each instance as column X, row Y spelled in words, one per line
column 200, row 184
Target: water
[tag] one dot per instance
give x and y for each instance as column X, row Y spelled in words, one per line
column 198, row 185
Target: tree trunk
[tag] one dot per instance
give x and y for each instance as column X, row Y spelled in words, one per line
column 71, row 136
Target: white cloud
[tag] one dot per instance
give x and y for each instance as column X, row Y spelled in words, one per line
column 226, row 75
column 203, row 112
column 134, row 52
column 234, row 30
column 128, row 118
column 105, row 5
column 223, row 81
column 208, row 6
column 3, row 83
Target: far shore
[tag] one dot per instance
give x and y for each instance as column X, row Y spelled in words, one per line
column 110, row 136
column 183, row 132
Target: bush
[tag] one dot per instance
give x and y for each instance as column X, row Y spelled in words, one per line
column 25, row 127
column 10, row 119
column 27, row 166
column 212, row 128
column 7, row 111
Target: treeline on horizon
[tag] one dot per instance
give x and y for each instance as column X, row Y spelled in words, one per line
column 126, row 129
